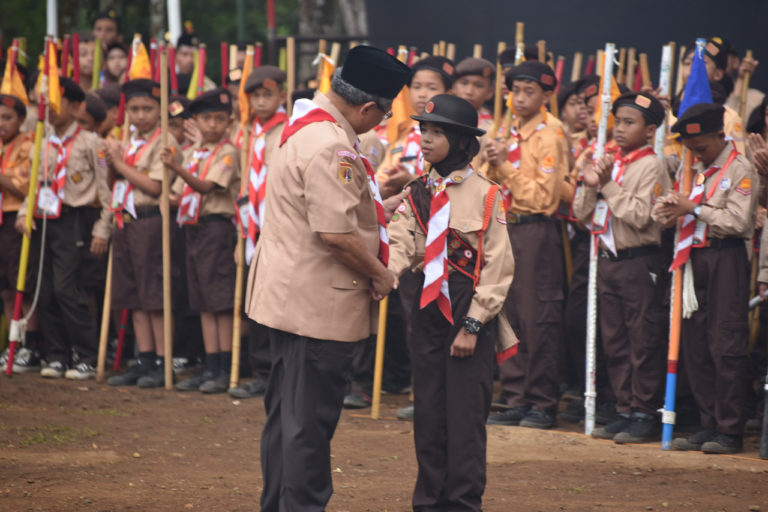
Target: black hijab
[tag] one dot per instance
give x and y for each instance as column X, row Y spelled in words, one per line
column 463, row 148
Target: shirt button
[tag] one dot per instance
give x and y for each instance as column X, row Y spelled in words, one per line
column 354, row 282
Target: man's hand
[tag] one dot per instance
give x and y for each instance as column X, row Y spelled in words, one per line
column 397, row 178
column 21, row 225
column 758, row 151
column 664, row 99
column 496, row 152
column 763, row 291
column 384, row 284
column 99, row 246
column 463, row 344
column 391, row 203
column 604, row 169
column 747, row 66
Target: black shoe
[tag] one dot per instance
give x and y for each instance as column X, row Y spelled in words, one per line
column 405, row 413
column 256, row 387
column 538, row 419
column 130, row 377
column 219, row 384
column 723, row 443
column 644, row 428
column 605, row 413
column 499, row 404
column 511, row 417
column 694, row 442
column 357, row 400
column 574, row 411
column 154, row 378
column 611, row 430
column 194, row 383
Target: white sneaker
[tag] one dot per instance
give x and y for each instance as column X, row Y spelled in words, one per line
column 82, row 371
column 55, row 370
column 25, row 361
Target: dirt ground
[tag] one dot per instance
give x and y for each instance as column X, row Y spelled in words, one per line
column 89, row 447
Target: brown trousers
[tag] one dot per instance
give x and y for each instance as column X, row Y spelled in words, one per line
column 534, row 307
column 715, row 338
column 632, row 317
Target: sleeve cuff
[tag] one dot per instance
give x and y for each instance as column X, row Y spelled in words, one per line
column 610, row 189
column 478, row 313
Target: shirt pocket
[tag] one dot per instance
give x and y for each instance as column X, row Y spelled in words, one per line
column 343, row 278
column 467, row 227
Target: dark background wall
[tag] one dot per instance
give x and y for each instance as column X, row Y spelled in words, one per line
column 573, row 25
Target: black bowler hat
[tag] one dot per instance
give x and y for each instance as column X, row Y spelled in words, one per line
column 14, row 103
column 375, row 71
column 450, row 110
column 650, row 107
column 70, row 90
column 700, row 119
column 539, row 72
column 141, row 87
column 216, row 100
column 269, row 77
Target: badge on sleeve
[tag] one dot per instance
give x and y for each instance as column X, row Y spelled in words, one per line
column 745, row 187
column 345, row 172
column 725, row 184
column 548, row 164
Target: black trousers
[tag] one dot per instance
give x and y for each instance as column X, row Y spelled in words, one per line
column 304, row 396
column 259, row 359
column 65, row 317
column 452, row 398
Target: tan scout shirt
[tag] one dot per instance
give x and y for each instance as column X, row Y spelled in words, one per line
column 407, row 241
column 86, row 183
column 754, row 99
column 762, row 275
column 535, row 186
column 14, row 165
column 224, row 171
column 295, row 284
column 644, row 181
column 150, row 164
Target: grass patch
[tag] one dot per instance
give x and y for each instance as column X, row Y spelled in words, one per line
column 206, row 420
column 576, row 490
column 53, row 435
column 110, row 413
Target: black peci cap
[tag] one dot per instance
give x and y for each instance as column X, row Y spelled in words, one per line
column 187, row 39
column 539, row 72
column 270, row 77
column 440, row 65
column 450, row 110
column 650, row 107
column 700, row 119
column 141, row 87
column 375, row 71
column 108, row 14
column 216, row 100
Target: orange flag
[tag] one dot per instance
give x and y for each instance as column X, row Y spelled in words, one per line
column 140, row 66
column 328, row 68
column 401, row 114
column 51, row 85
column 12, row 83
column 615, row 93
column 243, row 101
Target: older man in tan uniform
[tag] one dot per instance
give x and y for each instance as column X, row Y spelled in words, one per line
column 320, row 262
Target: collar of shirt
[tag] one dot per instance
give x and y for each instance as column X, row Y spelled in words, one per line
column 70, row 131
column 530, row 127
column 148, row 134
column 324, row 103
column 456, row 176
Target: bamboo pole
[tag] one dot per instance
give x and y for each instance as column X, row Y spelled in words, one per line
column 477, row 51
column 166, row 218
column 450, row 51
column 629, row 79
column 232, row 57
column 576, row 69
column 622, row 65
column 541, row 46
column 519, row 42
column 378, row 369
column 744, row 89
column 106, row 311
column 498, row 100
column 335, row 53
column 441, row 48
column 679, row 80
column 321, row 46
column 436, row 49
column 98, row 59
column 664, row 85
column 646, row 73
column 290, row 50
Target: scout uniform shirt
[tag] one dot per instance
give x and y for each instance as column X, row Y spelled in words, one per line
column 14, row 165
column 406, row 148
column 643, row 182
column 373, row 147
column 150, row 163
column 86, row 175
column 467, row 199
column 223, row 170
column 317, row 184
column 534, row 178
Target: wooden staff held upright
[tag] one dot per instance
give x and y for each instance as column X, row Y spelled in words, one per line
column 166, row 218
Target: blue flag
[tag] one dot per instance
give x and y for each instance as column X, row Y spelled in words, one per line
column 697, row 88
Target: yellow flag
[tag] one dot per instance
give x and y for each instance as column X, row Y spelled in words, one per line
column 52, row 86
column 192, row 91
column 402, row 110
column 243, row 101
column 325, row 78
column 615, row 93
column 140, row 67
column 12, row 83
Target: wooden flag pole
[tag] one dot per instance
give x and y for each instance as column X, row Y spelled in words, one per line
column 629, row 79
column 106, row 311
column 519, row 42
column 335, row 53
column 378, row 369
column 321, row 47
column 232, row 57
column 576, row 69
column 498, row 100
column 290, row 50
column 441, row 48
column 541, row 46
column 744, row 90
column 98, row 59
column 679, row 80
column 646, row 73
column 450, row 51
column 673, row 46
column 664, row 84
column 622, row 65
column 477, row 51
column 166, row 218
column 436, row 49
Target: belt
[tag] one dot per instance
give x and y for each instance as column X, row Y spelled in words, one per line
column 628, row 254
column 516, row 218
column 214, row 217
column 142, row 212
column 723, row 243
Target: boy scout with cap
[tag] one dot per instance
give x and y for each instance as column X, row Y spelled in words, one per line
column 631, row 266
column 317, row 252
column 73, row 179
column 16, row 148
column 473, row 81
column 531, row 171
column 91, row 114
column 106, row 27
column 454, row 328
column 137, row 270
column 110, row 97
column 718, row 218
column 210, row 179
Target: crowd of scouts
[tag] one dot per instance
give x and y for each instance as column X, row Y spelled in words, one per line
column 473, row 254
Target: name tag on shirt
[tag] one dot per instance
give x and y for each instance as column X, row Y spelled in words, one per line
column 600, row 217
column 700, row 234
column 48, row 202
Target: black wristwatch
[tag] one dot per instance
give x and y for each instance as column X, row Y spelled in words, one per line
column 472, row 326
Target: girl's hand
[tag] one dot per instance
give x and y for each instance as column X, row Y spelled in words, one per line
column 464, row 344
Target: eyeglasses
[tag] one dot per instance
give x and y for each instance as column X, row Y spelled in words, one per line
column 388, row 115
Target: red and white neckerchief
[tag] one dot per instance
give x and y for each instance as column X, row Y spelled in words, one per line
column 122, row 190
column 514, row 155
column 693, row 233
column 381, row 133
column 257, row 174
column 579, row 146
column 412, row 152
column 5, row 154
column 436, row 251
column 601, row 217
column 51, row 194
column 238, row 142
column 189, row 207
column 380, row 216
column 483, row 117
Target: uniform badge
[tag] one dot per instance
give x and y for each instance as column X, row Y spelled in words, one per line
column 270, row 84
column 700, row 179
column 745, row 187
column 725, row 184
column 227, row 161
column 548, row 164
column 458, row 179
column 692, row 128
column 347, row 154
column 643, row 102
column 401, row 208
column 345, row 172
column 395, row 217
column 77, row 178
column 657, row 190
